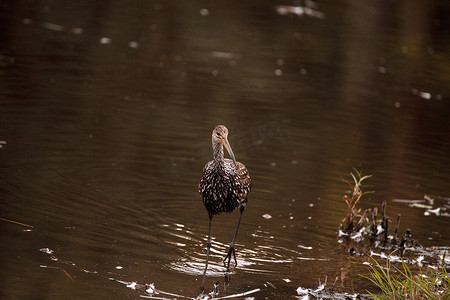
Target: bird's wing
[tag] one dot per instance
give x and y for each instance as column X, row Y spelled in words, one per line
column 245, row 181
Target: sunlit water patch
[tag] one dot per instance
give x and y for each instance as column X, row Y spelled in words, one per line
column 263, row 256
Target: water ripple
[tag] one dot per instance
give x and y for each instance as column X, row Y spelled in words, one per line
column 265, row 257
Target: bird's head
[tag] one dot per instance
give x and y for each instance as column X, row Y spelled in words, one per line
column 220, row 136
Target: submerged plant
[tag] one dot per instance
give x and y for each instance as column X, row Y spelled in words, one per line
column 401, row 283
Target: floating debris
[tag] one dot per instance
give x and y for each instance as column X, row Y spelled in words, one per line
column 302, row 291
column 392, row 258
column 299, row 11
column 46, row 250
column 419, row 260
column 204, row 12
column 148, row 288
column 119, row 267
column 15, row 222
column 422, row 94
column 436, row 211
column 105, row 41
column 132, row 285
column 267, row 216
column 151, row 288
column 2, row 143
column 225, row 55
column 429, row 199
column 321, row 292
column 271, row 285
column 77, row 30
column 133, row 44
column 429, row 205
column 425, row 95
column 58, row 268
column 54, row 27
column 240, row 294
column 408, row 201
column 419, row 205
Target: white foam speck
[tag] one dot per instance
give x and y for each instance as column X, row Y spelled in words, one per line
column 105, row 40
column 133, row 44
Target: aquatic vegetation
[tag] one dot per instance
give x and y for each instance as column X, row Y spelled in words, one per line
column 352, row 213
column 370, row 230
column 403, row 283
column 365, row 233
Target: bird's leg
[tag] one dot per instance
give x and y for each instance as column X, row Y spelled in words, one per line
column 231, row 251
column 208, row 246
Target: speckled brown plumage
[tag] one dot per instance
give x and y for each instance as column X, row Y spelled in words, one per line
column 224, row 186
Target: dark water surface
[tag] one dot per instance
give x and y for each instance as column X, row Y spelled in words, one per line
column 107, row 109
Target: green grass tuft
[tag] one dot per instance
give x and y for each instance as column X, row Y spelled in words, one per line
column 401, row 283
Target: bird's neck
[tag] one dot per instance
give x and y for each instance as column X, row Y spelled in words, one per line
column 218, row 154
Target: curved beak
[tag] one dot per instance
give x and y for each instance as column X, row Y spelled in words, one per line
column 228, row 147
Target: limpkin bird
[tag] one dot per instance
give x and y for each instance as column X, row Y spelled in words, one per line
column 224, row 186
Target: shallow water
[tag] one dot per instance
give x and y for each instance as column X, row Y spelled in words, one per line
column 107, row 111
